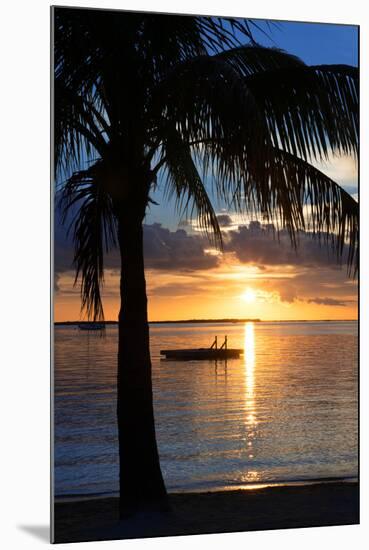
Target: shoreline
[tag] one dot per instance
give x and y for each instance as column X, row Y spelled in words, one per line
column 78, row 497
column 277, row 507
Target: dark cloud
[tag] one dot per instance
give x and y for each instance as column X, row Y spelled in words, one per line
column 224, row 220
column 175, row 250
column 328, row 301
column 322, row 286
column 56, row 282
column 163, row 249
column 261, row 245
column 185, row 223
column 170, row 250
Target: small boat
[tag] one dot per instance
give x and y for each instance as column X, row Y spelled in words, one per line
column 91, row 326
column 212, row 353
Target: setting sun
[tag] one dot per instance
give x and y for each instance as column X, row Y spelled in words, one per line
column 249, row 296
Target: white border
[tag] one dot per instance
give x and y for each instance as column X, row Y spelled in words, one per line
column 24, row 203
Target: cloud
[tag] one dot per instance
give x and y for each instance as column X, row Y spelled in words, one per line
column 261, row 245
column 185, row 223
column 176, row 290
column 163, row 249
column 176, row 250
column 224, row 220
column 56, row 282
column 322, row 286
column 254, row 243
column 328, row 302
column 342, row 169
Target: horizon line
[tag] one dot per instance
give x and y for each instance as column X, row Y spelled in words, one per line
column 220, row 320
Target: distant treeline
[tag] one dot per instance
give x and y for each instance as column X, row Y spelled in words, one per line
column 166, row 322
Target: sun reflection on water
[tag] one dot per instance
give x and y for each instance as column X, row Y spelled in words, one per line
column 249, row 358
column 250, row 407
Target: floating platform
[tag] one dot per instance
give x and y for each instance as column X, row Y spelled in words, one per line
column 213, row 353
column 201, row 353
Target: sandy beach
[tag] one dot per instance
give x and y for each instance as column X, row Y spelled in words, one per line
column 213, row 512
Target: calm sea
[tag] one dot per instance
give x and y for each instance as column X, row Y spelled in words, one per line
column 286, row 411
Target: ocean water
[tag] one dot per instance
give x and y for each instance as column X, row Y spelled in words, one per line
column 286, row 411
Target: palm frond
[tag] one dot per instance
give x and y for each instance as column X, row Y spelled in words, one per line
column 310, row 111
column 250, row 59
column 295, row 195
column 212, row 110
column 218, row 33
column 319, row 205
column 94, row 233
column 254, row 146
column 185, row 184
column 79, row 129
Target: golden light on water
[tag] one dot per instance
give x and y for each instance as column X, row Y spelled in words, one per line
column 249, row 358
column 251, row 476
column 250, row 408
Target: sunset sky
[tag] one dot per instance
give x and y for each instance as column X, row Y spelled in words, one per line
column 258, row 275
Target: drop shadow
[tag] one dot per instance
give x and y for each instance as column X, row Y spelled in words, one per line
column 40, row 532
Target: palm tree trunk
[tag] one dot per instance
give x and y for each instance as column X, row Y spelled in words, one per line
column 141, row 481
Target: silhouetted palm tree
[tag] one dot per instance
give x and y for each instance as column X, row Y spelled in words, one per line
column 143, row 100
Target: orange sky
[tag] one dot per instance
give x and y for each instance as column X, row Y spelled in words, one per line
column 230, row 290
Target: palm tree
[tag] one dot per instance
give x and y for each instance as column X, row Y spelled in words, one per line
column 143, row 100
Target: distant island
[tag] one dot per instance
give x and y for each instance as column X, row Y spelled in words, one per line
column 166, row 322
